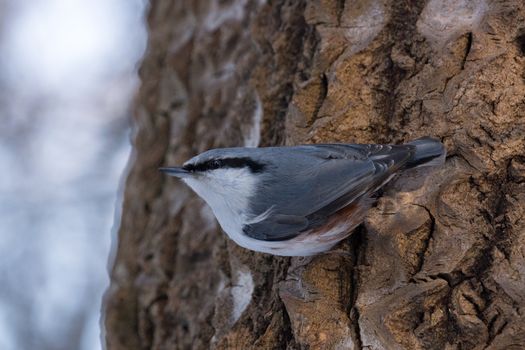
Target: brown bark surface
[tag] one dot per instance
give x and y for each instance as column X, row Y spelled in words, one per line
column 439, row 262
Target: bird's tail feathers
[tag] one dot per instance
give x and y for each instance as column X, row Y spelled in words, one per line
column 428, row 152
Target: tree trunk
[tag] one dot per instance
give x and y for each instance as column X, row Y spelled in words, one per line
column 439, row 263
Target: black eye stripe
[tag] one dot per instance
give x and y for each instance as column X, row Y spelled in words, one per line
column 255, row 167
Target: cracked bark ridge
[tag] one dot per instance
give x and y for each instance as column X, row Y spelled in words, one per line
column 439, row 263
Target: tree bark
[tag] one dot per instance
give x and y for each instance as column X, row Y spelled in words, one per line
column 439, row 263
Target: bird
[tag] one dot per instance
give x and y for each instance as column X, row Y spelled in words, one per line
column 298, row 200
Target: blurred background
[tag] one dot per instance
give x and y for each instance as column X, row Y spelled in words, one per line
column 68, row 73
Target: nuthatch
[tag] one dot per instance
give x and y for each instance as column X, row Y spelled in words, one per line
column 299, row 200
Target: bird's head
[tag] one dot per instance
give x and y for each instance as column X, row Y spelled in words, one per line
column 229, row 172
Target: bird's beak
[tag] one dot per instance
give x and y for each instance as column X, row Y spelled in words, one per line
column 176, row 171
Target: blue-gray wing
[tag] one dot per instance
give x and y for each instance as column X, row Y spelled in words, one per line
column 309, row 183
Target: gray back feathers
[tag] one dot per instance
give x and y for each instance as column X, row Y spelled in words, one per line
column 307, row 184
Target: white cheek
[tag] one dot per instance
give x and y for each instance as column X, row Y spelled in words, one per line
column 236, row 183
column 226, row 191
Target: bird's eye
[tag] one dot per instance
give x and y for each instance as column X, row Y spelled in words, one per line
column 189, row 167
column 216, row 164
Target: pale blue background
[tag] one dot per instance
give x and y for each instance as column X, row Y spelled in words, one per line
column 67, row 75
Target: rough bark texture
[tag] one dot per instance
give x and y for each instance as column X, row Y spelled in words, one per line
column 439, row 262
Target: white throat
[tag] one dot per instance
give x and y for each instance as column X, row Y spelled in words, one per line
column 227, row 192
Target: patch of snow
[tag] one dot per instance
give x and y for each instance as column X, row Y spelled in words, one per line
column 442, row 20
column 362, row 29
column 348, row 343
column 218, row 14
column 241, row 292
column 254, row 135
